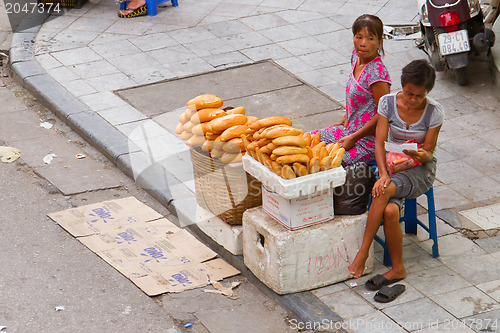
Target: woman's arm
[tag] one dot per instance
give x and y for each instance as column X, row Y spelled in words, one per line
column 379, row 89
column 380, row 138
column 425, row 154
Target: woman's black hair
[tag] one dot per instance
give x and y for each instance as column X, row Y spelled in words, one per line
column 374, row 26
column 420, row 73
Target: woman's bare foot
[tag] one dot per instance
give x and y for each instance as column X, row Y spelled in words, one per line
column 132, row 5
column 395, row 273
column 358, row 265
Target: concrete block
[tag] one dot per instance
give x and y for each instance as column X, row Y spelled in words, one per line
column 289, row 261
column 228, row 236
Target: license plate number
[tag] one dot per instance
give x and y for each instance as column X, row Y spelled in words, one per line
column 454, row 42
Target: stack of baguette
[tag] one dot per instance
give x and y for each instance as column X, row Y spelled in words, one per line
column 288, row 151
column 217, row 131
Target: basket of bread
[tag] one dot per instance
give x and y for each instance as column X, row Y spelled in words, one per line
column 214, row 135
column 290, row 162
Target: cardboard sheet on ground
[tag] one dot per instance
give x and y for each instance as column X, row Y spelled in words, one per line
column 150, row 250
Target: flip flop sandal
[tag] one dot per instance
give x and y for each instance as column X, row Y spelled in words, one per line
column 378, row 281
column 140, row 11
column 388, row 294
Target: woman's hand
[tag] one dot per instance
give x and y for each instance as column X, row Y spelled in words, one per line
column 380, row 185
column 347, row 142
column 422, row 155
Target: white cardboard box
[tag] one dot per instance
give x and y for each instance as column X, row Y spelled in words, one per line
column 297, row 187
column 298, row 212
column 290, row 261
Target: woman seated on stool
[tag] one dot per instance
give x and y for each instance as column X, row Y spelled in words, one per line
column 405, row 115
column 367, row 82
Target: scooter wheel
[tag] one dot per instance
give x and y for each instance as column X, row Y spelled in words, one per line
column 461, row 75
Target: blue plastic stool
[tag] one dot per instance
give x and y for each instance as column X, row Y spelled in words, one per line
column 152, row 5
column 411, row 223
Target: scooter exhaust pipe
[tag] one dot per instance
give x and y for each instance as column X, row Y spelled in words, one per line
column 483, row 40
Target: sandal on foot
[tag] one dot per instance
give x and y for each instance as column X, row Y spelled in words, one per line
column 378, row 281
column 388, row 294
column 140, row 11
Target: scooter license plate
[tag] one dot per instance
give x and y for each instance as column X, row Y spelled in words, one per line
column 454, row 42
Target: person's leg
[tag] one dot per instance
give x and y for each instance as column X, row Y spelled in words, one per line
column 375, row 215
column 394, row 241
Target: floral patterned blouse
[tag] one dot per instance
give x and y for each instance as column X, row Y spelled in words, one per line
column 360, row 109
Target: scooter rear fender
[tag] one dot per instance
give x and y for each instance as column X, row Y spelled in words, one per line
column 457, row 60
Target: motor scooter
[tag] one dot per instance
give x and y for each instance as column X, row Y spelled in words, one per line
column 451, row 30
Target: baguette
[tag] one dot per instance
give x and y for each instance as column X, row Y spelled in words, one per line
column 268, row 149
column 233, row 132
column 323, row 153
column 337, row 159
column 211, row 136
column 300, row 169
column 276, row 167
column 206, row 115
column 270, row 121
column 200, row 129
column 325, row 163
column 207, row 145
column 233, row 146
column 228, row 158
column 186, row 135
column 238, row 110
column 218, row 125
column 332, row 148
column 307, row 138
column 251, row 120
column 188, row 126
column 281, row 131
column 205, row 101
column 245, row 141
column 215, row 153
column 179, row 129
column 314, row 165
column 316, row 138
column 287, row 172
column 316, row 150
column 183, row 118
column 288, row 150
column 289, row 159
column 290, row 140
column 264, row 142
column 195, row 140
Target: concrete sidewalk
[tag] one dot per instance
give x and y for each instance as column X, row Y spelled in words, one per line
column 75, row 62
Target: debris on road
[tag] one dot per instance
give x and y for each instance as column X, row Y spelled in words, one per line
column 402, row 31
column 60, row 308
column 9, row 154
column 220, row 289
column 46, row 125
column 80, row 156
column 48, row 158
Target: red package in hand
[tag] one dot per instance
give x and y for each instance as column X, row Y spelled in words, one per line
column 397, row 162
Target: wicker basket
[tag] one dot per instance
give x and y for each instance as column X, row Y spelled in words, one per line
column 226, row 190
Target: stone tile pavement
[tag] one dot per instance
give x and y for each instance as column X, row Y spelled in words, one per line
column 91, row 54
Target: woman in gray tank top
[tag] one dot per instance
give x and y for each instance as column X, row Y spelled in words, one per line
column 408, row 114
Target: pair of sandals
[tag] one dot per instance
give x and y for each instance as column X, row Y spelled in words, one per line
column 385, row 293
column 139, row 11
